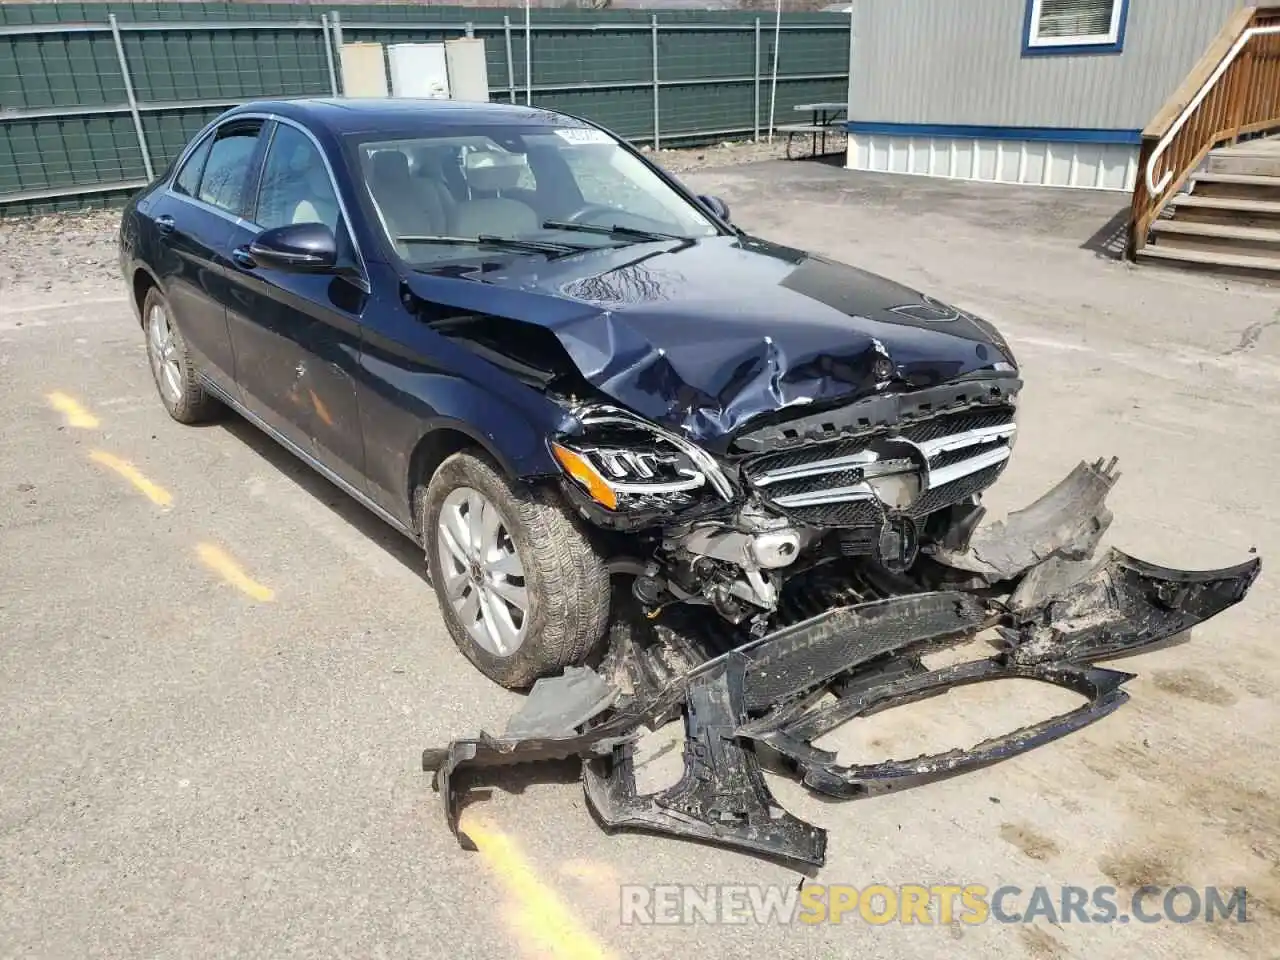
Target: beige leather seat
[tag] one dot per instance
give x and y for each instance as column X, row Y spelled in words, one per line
column 319, row 205
column 490, row 172
column 410, row 206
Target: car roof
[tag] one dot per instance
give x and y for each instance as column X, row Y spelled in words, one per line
column 346, row 115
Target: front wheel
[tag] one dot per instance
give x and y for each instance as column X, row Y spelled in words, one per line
column 172, row 366
column 522, row 590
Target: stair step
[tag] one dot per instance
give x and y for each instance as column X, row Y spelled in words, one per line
column 1225, row 231
column 1238, row 204
column 1241, row 179
column 1265, row 147
column 1211, row 258
column 1248, row 164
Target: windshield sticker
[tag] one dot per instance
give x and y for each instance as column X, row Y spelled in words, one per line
column 584, row 135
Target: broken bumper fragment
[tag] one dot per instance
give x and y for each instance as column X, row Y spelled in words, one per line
column 1060, row 613
column 721, row 796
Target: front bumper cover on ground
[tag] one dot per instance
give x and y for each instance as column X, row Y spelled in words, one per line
column 1055, row 611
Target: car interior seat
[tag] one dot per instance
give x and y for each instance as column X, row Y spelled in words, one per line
column 405, row 205
column 440, row 171
column 318, row 203
column 488, row 174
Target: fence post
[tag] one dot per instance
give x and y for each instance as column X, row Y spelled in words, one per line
column 528, row 54
column 755, row 115
column 654, row 26
column 773, row 87
column 337, row 42
column 511, row 67
column 328, row 53
column 133, row 101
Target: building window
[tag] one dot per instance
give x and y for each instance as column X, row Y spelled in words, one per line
column 1074, row 26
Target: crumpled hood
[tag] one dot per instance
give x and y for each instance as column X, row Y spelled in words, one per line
column 703, row 336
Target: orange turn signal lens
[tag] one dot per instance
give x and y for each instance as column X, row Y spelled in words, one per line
column 578, row 467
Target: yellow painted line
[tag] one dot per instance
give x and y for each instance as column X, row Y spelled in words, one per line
column 72, row 411
column 152, row 491
column 221, row 563
column 543, row 924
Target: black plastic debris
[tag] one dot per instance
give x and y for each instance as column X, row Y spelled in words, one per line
column 559, row 706
column 721, row 796
column 851, row 640
column 1081, row 613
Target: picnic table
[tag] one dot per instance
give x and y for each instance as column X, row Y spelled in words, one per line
column 825, row 118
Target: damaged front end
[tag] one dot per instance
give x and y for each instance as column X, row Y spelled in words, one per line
column 887, row 478
column 848, row 637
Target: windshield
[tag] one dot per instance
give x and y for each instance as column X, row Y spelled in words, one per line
column 520, row 189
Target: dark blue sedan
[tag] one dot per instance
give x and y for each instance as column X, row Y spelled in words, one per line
column 573, row 382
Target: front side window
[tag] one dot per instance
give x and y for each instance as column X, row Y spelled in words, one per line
column 295, row 183
column 572, row 187
column 1074, row 23
column 227, row 168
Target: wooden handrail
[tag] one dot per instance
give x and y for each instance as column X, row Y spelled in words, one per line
column 1210, row 85
column 1233, row 89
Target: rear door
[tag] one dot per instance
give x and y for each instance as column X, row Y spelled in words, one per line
column 188, row 235
column 297, row 335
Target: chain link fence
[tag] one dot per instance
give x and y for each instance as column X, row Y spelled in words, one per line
column 96, row 99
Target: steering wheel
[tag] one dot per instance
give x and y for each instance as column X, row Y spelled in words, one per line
column 589, row 208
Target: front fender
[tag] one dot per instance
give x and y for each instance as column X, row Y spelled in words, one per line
column 405, row 404
column 518, row 445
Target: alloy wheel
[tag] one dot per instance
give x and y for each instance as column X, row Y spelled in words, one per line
column 165, row 363
column 483, row 575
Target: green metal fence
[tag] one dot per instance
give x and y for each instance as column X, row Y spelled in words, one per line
column 95, row 98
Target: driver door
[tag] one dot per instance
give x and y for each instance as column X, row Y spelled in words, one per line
column 297, row 335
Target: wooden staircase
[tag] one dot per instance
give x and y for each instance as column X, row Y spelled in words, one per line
column 1208, row 185
column 1229, row 217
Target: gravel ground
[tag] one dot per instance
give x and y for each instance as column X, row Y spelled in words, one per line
column 74, row 253
column 728, row 153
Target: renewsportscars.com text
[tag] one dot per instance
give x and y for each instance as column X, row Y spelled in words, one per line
column 934, row 904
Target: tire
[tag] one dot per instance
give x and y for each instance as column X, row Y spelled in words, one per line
column 172, row 367
column 566, row 584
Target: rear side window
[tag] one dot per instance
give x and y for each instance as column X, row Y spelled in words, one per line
column 188, row 179
column 227, row 169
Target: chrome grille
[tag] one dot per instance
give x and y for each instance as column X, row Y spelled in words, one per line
column 835, row 484
column 950, row 423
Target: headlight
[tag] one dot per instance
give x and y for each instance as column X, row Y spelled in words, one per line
column 623, row 462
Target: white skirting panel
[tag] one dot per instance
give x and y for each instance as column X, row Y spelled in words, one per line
column 1090, row 166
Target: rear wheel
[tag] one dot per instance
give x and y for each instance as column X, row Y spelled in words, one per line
column 172, row 367
column 521, row 588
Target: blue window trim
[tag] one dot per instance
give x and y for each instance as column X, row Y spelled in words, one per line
column 967, row 132
column 1075, row 50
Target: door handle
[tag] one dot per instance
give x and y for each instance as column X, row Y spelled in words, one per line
column 243, row 258
column 165, row 224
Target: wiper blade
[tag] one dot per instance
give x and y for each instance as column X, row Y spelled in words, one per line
column 614, row 230
column 501, row 243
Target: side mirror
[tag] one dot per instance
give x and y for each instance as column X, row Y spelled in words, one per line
column 716, row 206
column 296, row 247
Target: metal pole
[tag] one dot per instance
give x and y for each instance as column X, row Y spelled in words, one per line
column 755, row 83
column 656, row 141
column 511, row 67
column 133, row 101
column 328, row 53
column 336, row 21
column 528, row 55
column 469, row 30
column 773, row 87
